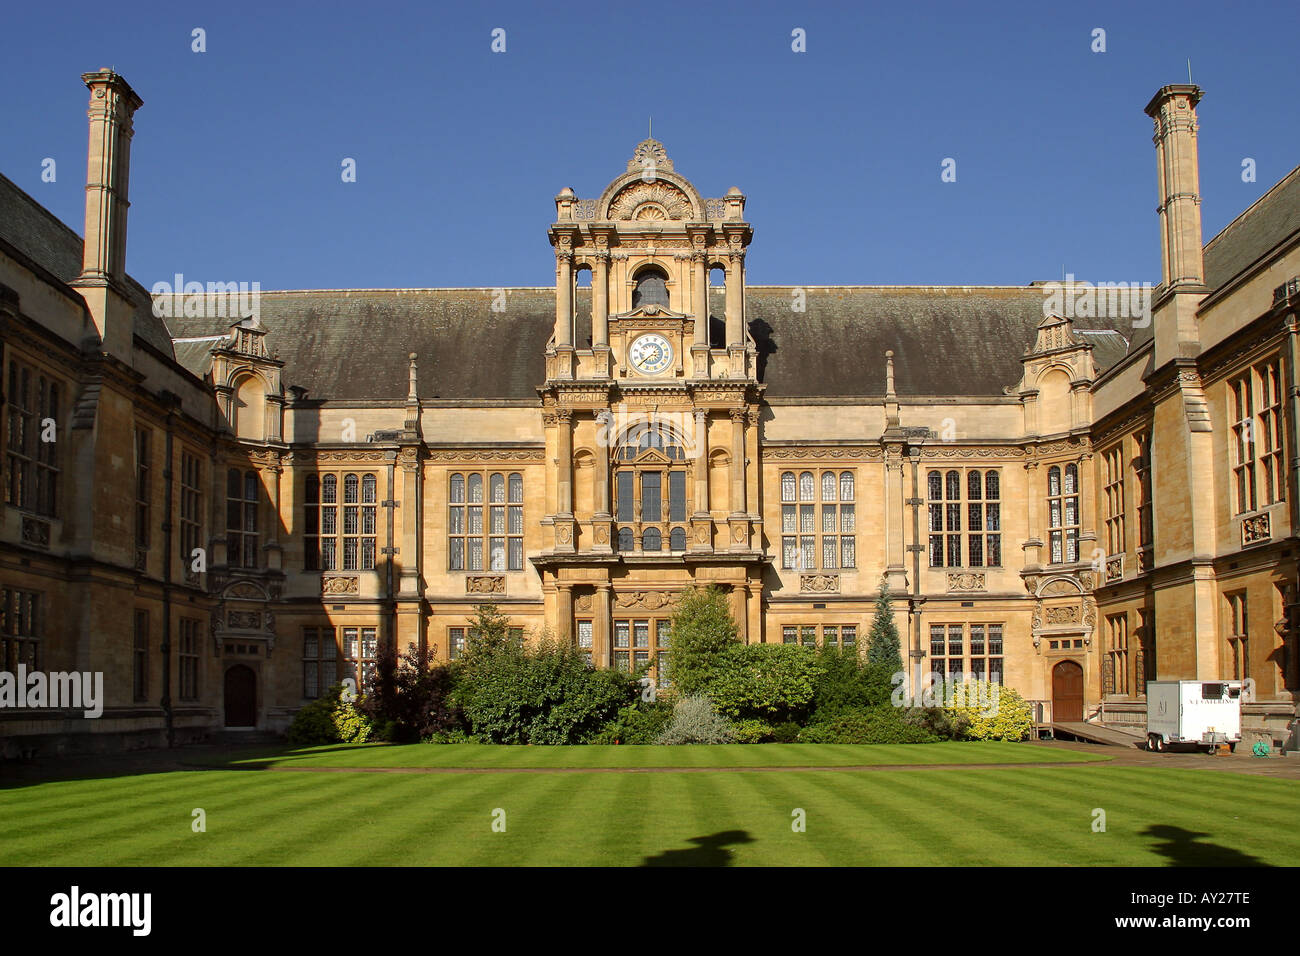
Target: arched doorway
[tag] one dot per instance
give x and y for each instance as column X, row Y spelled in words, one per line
column 241, row 696
column 1067, row 691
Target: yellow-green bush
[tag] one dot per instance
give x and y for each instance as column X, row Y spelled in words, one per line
column 993, row 711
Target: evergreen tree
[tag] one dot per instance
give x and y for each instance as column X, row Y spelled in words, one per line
column 702, row 629
column 883, row 650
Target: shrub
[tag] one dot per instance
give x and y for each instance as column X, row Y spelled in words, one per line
column 944, row 724
column 844, row 682
column 786, row 733
column 329, row 720
column 702, row 629
column 513, row 694
column 993, row 712
column 694, row 722
column 636, row 724
column 771, row 682
column 751, row 731
column 411, row 699
column 867, row 725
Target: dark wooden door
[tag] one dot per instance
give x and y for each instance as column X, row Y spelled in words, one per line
column 1067, row 691
column 241, row 697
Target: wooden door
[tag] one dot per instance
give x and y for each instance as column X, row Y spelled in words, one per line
column 241, row 697
column 1067, row 691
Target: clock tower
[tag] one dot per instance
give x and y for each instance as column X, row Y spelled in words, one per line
column 650, row 408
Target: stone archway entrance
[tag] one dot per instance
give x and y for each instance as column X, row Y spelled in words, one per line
column 1067, row 691
column 241, row 696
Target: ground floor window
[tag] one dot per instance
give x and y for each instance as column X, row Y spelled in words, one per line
column 832, row 635
column 319, row 661
column 966, row 651
column 20, row 629
column 642, row 644
column 188, row 659
column 360, row 648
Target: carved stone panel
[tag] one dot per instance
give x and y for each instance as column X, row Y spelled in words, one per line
column 340, row 584
column 819, row 583
column 967, row 581
column 485, row 584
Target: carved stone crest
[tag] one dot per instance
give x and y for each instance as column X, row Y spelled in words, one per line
column 485, row 584
column 820, row 583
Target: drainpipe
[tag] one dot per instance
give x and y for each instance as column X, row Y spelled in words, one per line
column 171, row 402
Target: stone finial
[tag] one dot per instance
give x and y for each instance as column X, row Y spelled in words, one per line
column 413, row 394
column 889, row 374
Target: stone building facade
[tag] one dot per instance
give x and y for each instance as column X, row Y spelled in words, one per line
column 225, row 505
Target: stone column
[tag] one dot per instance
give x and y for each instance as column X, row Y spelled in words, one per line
column 738, row 461
column 600, row 301
column 735, row 302
column 701, row 462
column 700, row 271
column 564, row 299
column 895, row 568
column 601, row 632
column 564, row 612
column 274, row 553
column 564, row 474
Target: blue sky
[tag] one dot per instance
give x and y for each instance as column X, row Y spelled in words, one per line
column 460, row 151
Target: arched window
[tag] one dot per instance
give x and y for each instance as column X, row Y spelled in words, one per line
column 979, row 543
column 491, row 541
column 625, row 539
column 650, row 484
column 828, row 486
column 818, row 532
column 677, row 539
column 651, row 288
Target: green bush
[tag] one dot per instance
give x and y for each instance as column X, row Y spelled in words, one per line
column 768, row 682
column 514, row 694
column 695, row 722
column 702, row 629
column 867, row 725
column 751, row 731
column 993, row 712
column 786, row 733
column 329, row 720
column 637, row 723
column 944, row 724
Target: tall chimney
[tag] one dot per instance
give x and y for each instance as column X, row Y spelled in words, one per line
column 103, row 265
column 1174, row 110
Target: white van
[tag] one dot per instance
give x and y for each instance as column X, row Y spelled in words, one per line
column 1193, row 713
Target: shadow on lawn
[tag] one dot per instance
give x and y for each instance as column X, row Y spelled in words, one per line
column 51, row 768
column 708, row 851
column 1183, row 848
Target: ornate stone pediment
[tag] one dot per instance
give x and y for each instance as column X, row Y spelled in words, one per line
column 650, row 202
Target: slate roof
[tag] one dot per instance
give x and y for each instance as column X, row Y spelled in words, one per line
column 38, row 234
column 352, row 345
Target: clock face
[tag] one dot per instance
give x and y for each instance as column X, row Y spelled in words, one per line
column 651, row 354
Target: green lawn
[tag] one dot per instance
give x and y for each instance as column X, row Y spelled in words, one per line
column 970, row 816
column 588, row 757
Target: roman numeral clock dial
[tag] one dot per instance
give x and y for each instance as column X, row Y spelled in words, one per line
column 651, row 354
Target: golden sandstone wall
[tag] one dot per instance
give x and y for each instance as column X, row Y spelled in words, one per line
column 1161, row 570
